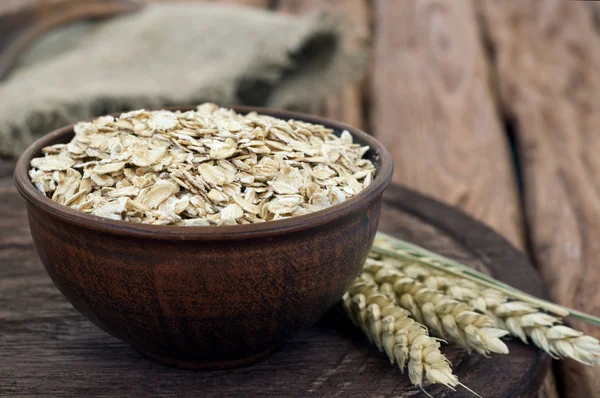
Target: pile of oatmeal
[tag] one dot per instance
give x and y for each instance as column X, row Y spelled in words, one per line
column 211, row 166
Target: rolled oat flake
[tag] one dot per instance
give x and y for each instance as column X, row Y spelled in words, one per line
column 211, row 166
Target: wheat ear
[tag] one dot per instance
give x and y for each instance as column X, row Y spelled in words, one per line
column 405, row 341
column 521, row 319
column 529, row 323
column 444, row 316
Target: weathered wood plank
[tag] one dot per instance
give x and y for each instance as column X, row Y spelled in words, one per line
column 6, row 168
column 548, row 67
column 432, row 108
column 348, row 105
column 548, row 389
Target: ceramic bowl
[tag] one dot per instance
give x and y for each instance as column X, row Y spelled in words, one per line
column 205, row 297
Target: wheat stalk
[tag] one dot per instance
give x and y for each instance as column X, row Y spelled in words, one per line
column 522, row 319
column 405, row 341
column 444, row 316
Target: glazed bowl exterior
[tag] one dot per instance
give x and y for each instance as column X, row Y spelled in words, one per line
column 205, row 297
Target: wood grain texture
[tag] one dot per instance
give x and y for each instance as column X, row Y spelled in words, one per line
column 432, row 108
column 48, row 348
column 6, row 168
column 346, row 106
column 548, row 389
column 548, row 66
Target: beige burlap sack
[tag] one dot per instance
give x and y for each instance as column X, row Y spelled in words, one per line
column 174, row 54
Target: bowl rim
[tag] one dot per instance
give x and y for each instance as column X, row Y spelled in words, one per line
column 269, row 228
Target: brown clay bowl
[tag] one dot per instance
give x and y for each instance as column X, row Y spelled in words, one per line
column 205, row 297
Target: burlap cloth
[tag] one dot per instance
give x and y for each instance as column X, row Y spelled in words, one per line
column 174, row 54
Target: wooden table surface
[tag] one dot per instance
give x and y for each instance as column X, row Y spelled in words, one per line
column 48, row 348
column 491, row 106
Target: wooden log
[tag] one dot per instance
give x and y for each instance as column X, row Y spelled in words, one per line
column 548, row 67
column 432, row 108
column 346, row 106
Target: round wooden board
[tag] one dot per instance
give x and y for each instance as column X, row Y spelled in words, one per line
column 48, row 348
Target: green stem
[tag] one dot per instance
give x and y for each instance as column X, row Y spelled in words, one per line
column 413, row 253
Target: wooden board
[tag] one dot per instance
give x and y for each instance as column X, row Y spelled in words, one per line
column 48, row 348
column 548, row 69
column 432, row 108
column 432, row 105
